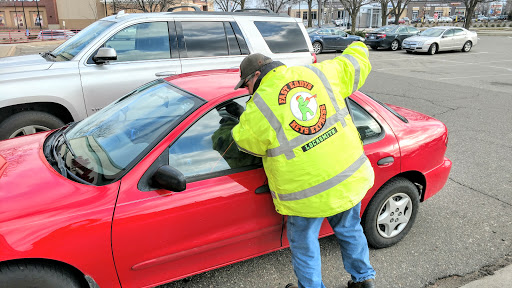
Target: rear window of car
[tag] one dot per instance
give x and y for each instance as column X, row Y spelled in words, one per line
column 203, row 39
column 282, row 37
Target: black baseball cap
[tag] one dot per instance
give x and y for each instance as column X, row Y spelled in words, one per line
column 250, row 65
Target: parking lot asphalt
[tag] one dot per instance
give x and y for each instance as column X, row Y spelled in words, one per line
column 465, row 231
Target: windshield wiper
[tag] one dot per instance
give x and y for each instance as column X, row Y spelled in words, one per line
column 46, row 54
column 63, row 132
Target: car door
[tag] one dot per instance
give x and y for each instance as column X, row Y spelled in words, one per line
column 208, row 45
column 459, row 37
column 403, row 33
column 143, row 51
column 159, row 235
column 446, row 40
column 380, row 146
column 342, row 40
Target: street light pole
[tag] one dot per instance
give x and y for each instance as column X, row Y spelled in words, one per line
column 105, row 4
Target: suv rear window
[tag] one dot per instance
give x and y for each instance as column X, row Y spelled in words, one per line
column 203, row 39
column 282, row 37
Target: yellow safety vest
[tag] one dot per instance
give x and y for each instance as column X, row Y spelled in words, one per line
column 298, row 122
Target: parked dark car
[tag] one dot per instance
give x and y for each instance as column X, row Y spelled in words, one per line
column 458, row 18
column 331, row 39
column 389, row 37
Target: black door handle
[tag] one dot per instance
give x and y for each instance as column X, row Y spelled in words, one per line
column 386, row 160
column 262, row 189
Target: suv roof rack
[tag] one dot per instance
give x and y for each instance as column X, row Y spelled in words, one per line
column 196, row 9
column 255, row 10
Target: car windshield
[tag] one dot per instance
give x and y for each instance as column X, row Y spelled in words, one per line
column 387, row 29
column 104, row 145
column 432, row 32
column 75, row 44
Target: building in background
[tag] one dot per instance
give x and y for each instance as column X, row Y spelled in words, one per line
column 67, row 14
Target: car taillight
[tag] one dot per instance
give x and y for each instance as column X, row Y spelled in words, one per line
column 366, row 35
column 381, row 36
column 314, row 57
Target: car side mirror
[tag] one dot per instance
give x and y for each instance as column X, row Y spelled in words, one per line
column 169, row 178
column 104, row 55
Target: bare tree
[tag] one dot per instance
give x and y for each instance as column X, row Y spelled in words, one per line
column 398, row 8
column 384, row 11
column 353, row 7
column 310, row 21
column 144, row 5
column 276, row 5
column 230, row 5
column 471, row 6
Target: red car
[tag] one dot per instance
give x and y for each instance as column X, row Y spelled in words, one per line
column 151, row 189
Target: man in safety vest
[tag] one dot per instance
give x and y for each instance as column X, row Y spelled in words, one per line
column 298, row 122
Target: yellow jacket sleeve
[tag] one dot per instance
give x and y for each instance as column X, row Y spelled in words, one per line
column 351, row 68
column 245, row 133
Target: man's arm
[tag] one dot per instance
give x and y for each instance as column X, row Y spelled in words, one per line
column 352, row 68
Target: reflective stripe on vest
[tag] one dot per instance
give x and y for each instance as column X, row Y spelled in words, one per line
column 338, row 116
column 326, row 185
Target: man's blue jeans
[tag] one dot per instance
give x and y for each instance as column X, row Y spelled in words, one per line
column 303, row 237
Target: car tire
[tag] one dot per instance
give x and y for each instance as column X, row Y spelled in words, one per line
column 432, row 49
column 317, row 47
column 467, row 46
column 28, row 122
column 34, row 275
column 395, row 45
column 383, row 227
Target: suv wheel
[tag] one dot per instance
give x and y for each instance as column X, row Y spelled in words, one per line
column 28, row 122
column 317, row 47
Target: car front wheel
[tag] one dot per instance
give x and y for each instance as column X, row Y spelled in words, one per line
column 433, row 49
column 28, row 122
column 395, row 45
column 467, row 46
column 34, row 275
column 391, row 213
column 317, row 47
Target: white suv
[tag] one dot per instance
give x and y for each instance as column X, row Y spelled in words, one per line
column 118, row 53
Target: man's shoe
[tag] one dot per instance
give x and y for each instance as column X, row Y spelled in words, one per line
column 291, row 285
column 370, row 283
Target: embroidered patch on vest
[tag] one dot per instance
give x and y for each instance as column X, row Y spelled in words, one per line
column 313, row 143
column 292, row 85
column 308, row 130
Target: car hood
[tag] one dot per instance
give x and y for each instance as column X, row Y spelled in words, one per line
column 23, row 64
column 420, row 38
column 32, row 191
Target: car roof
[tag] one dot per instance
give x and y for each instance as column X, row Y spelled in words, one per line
column 209, row 84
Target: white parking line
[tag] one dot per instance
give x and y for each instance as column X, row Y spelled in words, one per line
column 482, row 64
column 466, row 77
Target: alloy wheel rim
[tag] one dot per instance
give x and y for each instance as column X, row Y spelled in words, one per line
column 29, row 129
column 394, row 215
column 394, row 45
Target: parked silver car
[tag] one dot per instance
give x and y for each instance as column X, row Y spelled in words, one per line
column 437, row 39
column 118, row 53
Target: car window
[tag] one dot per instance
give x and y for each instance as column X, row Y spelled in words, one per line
column 206, row 39
column 368, row 128
column 341, row 33
column 282, row 37
column 412, row 30
column 448, row 33
column 207, row 146
column 402, row 30
column 458, row 32
column 144, row 41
